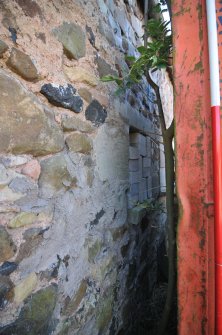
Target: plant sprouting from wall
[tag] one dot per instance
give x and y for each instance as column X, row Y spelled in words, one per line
column 154, row 55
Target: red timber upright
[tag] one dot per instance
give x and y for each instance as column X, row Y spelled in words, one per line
column 194, row 169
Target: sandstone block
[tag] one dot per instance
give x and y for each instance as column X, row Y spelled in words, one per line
column 79, row 143
column 9, row 195
column 133, row 165
column 140, row 141
column 134, row 177
column 85, row 94
column 134, row 189
column 146, row 172
column 74, row 303
column 78, row 74
column 3, row 48
column 146, row 162
column 22, row 65
column 32, row 169
column 25, row 288
column 5, row 176
column 54, row 175
column 7, row 246
column 73, row 39
column 74, row 123
column 22, row 219
column 133, row 152
column 63, row 96
column 132, row 200
column 12, row 160
column 26, row 126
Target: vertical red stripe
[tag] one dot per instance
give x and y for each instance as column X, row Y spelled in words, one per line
column 217, row 169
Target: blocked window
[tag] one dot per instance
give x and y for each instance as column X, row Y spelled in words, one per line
column 141, row 176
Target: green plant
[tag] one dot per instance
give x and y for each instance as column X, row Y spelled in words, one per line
column 155, row 54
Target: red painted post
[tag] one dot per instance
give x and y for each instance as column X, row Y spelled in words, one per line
column 217, row 214
column 194, row 170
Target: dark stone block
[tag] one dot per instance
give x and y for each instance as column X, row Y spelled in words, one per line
column 104, row 68
column 35, row 316
column 96, row 113
column 91, row 36
column 7, row 267
column 6, row 290
column 63, row 96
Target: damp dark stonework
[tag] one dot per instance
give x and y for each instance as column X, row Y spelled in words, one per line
column 63, row 96
column 7, row 268
column 35, row 316
column 96, row 113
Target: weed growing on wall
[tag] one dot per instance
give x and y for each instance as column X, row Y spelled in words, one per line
column 154, row 55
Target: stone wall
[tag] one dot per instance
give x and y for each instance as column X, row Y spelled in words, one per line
column 69, row 251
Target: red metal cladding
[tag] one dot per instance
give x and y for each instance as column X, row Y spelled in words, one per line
column 217, row 169
column 195, row 233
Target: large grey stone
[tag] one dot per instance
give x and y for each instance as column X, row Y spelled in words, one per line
column 26, row 125
column 55, row 176
column 104, row 68
column 22, row 64
column 72, row 38
column 7, row 246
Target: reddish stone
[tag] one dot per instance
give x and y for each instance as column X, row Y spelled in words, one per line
column 32, row 169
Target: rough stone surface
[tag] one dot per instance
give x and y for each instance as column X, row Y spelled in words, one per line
column 22, row 219
column 78, row 74
column 72, row 38
column 32, row 169
column 3, row 48
column 85, row 94
column 26, row 126
column 55, row 176
column 22, row 65
column 74, row 303
column 12, row 160
column 22, row 184
column 104, row 68
column 93, row 250
column 29, row 246
column 105, row 311
column 8, row 195
column 7, row 246
column 136, row 214
column 74, row 123
column 63, row 96
column 25, row 288
column 5, row 176
column 6, row 290
column 96, row 113
column 111, row 156
column 35, row 315
column 7, row 268
column 79, row 143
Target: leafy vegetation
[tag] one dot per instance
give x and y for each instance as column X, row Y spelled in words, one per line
column 154, row 55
